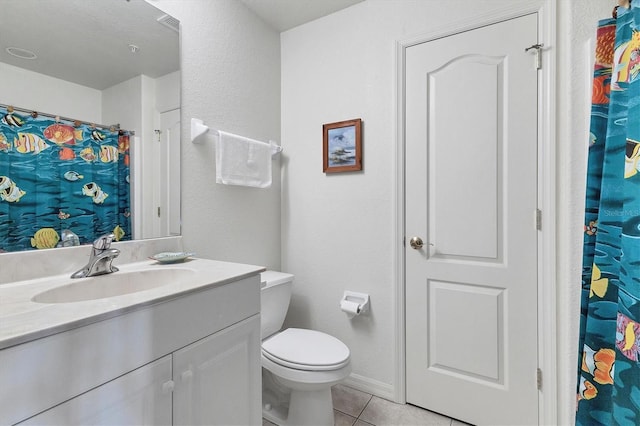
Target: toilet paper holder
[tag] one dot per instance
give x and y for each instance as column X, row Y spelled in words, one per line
column 354, row 303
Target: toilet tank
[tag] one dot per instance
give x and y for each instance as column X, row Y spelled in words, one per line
column 275, row 294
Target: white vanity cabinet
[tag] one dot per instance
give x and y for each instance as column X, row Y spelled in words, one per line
column 214, row 381
column 217, row 380
column 192, row 359
column 142, row 397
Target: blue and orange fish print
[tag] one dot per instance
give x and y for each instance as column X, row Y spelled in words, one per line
column 58, row 175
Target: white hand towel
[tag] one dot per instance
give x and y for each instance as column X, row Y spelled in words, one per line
column 242, row 161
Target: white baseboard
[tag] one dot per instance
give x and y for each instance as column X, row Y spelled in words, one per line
column 368, row 385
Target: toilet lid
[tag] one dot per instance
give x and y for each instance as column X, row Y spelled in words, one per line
column 306, row 350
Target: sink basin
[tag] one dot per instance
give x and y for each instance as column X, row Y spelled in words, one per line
column 111, row 285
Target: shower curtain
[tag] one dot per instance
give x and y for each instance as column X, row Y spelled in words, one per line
column 609, row 347
column 59, row 177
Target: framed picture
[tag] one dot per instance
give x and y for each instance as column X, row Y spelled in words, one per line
column 342, row 146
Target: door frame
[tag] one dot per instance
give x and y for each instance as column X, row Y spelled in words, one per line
column 547, row 351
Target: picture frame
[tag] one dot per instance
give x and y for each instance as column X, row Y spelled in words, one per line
column 342, row 146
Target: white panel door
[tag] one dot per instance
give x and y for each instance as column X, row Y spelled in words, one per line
column 219, row 378
column 471, row 190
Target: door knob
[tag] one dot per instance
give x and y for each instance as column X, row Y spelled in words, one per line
column 416, row 243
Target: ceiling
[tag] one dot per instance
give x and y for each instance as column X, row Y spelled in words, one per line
column 87, row 41
column 283, row 15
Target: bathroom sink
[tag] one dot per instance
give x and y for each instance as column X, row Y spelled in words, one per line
column 112, row 285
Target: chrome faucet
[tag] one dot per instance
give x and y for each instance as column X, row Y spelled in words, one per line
column 101, row 257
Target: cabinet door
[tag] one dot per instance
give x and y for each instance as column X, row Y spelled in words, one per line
column 142, row 397
column 218, row 379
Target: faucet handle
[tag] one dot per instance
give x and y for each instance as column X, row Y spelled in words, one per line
column 103, row 242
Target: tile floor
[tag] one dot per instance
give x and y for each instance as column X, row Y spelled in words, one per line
column 352, row 407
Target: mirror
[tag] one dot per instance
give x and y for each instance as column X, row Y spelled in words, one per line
column 104, row 62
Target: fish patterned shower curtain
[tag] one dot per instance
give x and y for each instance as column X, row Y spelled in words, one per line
column 609, row 347
column 58, row 177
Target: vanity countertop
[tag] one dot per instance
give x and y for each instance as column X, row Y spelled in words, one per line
column 23, row 320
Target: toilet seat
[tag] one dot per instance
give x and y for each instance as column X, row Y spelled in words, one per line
column 307, row 350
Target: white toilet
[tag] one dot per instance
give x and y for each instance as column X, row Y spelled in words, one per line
column 298, row 366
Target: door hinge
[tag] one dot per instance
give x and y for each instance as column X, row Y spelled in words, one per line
column 158, row 211
column 538, row 51
column 538, row 219
column 539, row 379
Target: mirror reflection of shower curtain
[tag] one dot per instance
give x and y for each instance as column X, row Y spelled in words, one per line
column 609, row 347
column 58, row 176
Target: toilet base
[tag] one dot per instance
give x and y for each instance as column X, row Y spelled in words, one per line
column 309, row 408
column 291, row 403
column 306, row 408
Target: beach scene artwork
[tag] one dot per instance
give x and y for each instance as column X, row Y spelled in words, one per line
column 342, row 146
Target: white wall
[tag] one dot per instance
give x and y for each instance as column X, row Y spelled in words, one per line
column 168, row 92
column 337, row 229
column 122, row 104
column 136, row 104
column 31, row 90
column 230, row 79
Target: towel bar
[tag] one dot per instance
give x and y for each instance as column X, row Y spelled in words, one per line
column 198, row 128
